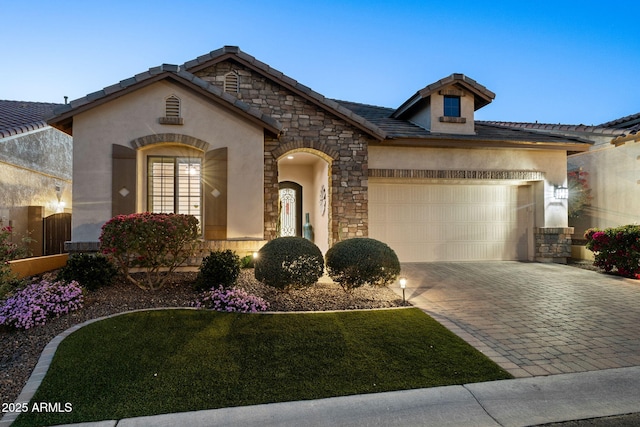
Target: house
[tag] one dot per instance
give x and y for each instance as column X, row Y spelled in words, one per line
column 611, row 168
column 252, row 153
column 35, row 173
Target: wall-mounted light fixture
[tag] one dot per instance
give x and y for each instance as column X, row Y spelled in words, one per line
column 58, row 205
column 560, row 193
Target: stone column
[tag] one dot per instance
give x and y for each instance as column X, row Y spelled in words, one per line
column 553, row 244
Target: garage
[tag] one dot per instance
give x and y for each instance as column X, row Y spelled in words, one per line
column 452, row 222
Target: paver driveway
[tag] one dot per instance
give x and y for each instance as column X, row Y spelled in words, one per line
column 532, row 318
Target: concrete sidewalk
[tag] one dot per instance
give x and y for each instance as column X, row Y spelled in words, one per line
column 518, row 402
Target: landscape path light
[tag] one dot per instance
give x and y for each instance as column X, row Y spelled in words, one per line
column 403, row 284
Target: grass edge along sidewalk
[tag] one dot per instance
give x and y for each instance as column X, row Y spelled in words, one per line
column 165, row 361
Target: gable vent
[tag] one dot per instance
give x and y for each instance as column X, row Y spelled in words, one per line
column 231, row 82
column 172, row 112
column 173, row 107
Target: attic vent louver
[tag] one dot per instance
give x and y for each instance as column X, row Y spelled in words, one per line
column 231, row 82
column 173, row 107
column 172, row 112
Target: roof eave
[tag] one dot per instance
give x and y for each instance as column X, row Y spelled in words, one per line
column 482, row 96
column 623, row 139
column 64, row 121
column 461, row 141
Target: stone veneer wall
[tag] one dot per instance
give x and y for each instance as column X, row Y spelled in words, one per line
column 306, row 127
column 552, row 244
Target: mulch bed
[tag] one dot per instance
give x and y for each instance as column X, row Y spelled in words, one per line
column 20, row 350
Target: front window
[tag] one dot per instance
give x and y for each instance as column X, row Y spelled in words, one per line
column 174, row 185
column 451, row 106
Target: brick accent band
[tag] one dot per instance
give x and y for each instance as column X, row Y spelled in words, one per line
column 457, row 174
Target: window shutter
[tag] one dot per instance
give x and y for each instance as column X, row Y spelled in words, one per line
column 215, row 194
column 123, row 180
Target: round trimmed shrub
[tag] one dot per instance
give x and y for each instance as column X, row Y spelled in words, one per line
column 219, row 268
column 289, row 262
column 362, row 261
column 92, row 271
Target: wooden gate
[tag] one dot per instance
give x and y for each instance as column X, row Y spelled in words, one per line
column 57, row 230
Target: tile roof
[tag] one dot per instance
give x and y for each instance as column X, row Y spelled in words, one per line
column 21, row 116
column 627, row 122
column 380, row 122
column 481, row 95
column 403, row 129
column 319, row 99
column 66, row 111
column 185, row 72
column 560, row 128
column 630, row 125
column 620, row 130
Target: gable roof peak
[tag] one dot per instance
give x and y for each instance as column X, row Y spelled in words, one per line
column 237, row 55
column 482, row 95
column 65, row 112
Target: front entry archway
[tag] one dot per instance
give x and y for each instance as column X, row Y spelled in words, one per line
column 310, row 170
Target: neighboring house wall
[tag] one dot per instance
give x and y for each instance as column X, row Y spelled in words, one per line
column 614, row 179
column 35, row 171
column 611, row 168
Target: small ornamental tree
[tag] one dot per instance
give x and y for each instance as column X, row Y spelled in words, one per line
column 8, row 252
column 288, row 262
column 579, row 193
column 362, row 261
column 616, row 248
column 155, row 242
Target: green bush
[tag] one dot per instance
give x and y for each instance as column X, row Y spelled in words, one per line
column 91, row 271
column 617, row 248
column 155, row 242
column 289, row 262
column 247, row 261
column 362, row 261
column 219, row 268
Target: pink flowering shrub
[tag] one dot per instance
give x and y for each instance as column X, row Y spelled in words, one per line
column 231, row 300
column 616, row 248
column 155, row 242
column 39, row 302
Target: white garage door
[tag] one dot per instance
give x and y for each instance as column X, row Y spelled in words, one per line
column 449, row 222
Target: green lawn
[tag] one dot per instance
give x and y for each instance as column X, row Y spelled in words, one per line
column 184, row 360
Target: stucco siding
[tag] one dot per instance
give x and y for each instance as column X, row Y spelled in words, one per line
column 549, row 211
column 136, row 115
column 33, row 165
column 613, row 176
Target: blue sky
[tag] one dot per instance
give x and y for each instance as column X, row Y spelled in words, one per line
column 547, row 61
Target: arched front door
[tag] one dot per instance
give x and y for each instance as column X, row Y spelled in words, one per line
column 290, row 220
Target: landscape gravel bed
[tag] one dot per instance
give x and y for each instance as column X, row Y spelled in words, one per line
column 20, row 350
